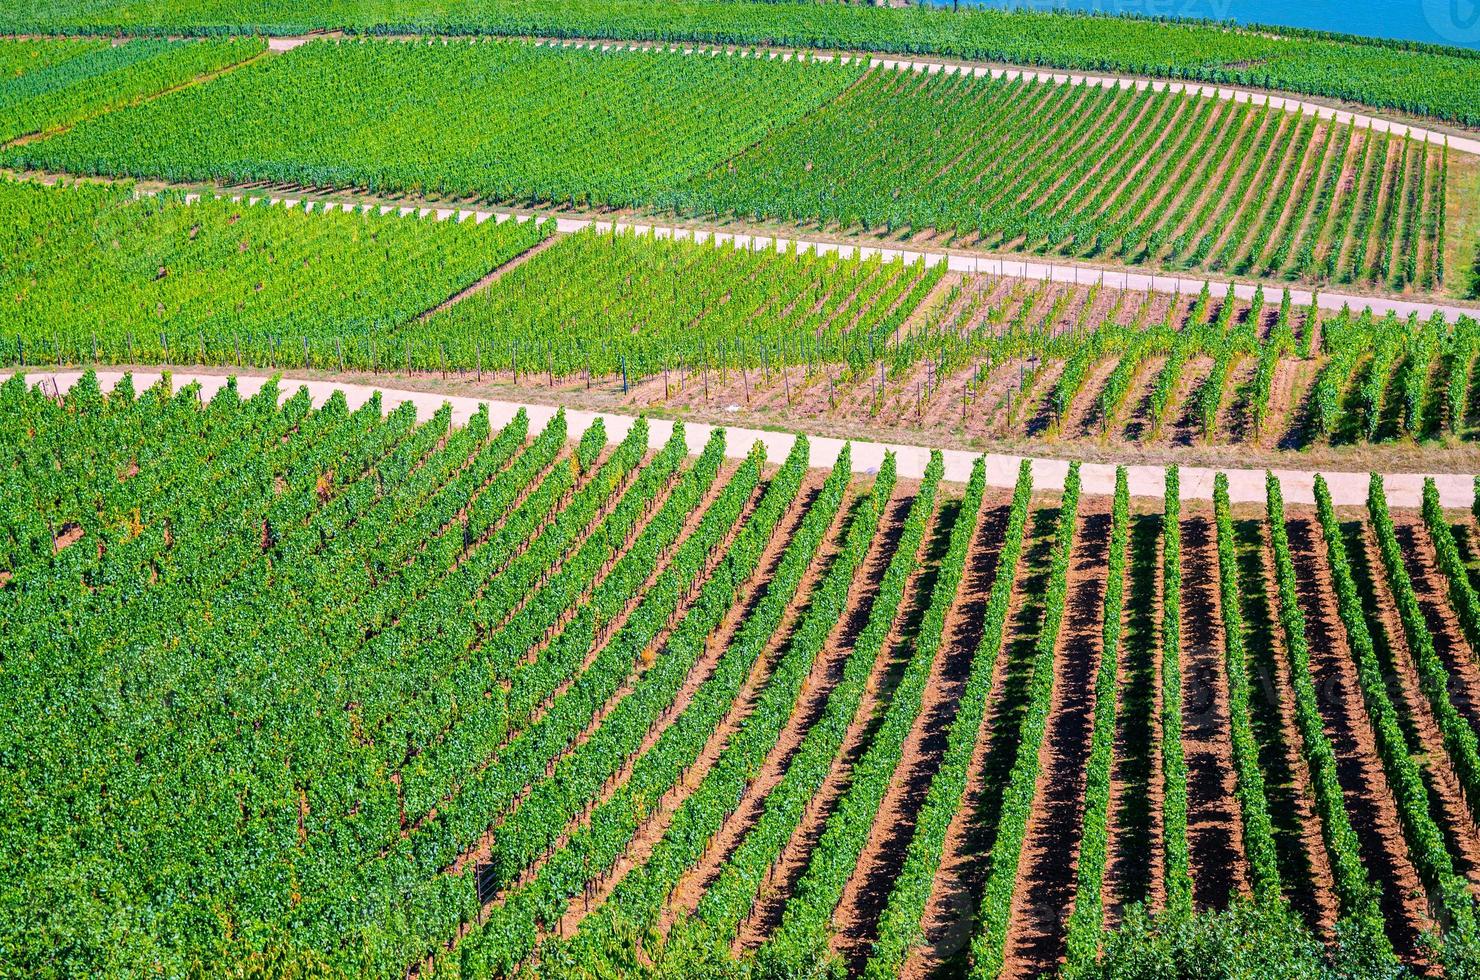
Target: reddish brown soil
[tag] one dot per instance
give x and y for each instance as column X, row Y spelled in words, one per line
column 819, row 684
column 1082, row 419
column 1182, row 424
column 1369, row 801
column 1214, row 825
column 856, row 918
column 493, row 276
column 765, row 569
column 1305, row 868
column 1134, row 865
column 1046, row 872
column 652, row 831
column 950, row 912
column 69, row 536
column 771, row 903
column 1449, row 638
column 1234, row 423
column 1446, row 800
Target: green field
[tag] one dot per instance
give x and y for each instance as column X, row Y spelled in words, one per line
column 300, row 690
column 119, row 276
column 1444, row 83
column 1090, row 172
column 46, row 85
column 488, row 119
column 1094, row 173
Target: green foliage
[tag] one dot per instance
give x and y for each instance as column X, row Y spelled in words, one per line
column 215, row 281
column 488, row 119
column 1433, row 677
column 45, row 85
column 1416, row 78
column 974, row 180
column 1361, row 925
column 600, row 302
column 1259, row 845
column 1087, row 920
column 1425, row 840
column 899, row 922
column 1244, row 940
column 988, row 948
column 1173, row 759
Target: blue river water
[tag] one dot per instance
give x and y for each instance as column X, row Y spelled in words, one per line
column 1451, row 22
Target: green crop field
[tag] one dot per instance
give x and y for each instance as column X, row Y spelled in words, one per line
column 46, row 85
column 1090, row 173
column 1439, row 82
column 119, row 276
column 326, row 691
column 488, row 119
column 657, row 490
column 99, row 276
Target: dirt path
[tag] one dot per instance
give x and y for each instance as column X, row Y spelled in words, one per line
column 1369, row 801
column 1404, row 489
column 493, row 276
column 1047, row 871
column 1134, row 864
column 867, row 891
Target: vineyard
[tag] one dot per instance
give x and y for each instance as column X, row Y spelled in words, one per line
column 153, row 278
column 1114, row 174
column 99, row 276
column 48, row 85
column 1091, row 172
column 490, row 119
column 1438, row 82
column 606, row 704
column 724, row 600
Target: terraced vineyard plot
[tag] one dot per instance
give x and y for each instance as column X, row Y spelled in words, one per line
column 91, row 272
column 604, row 305
column 487, row 696
column 1438, row 82
column 49, row 84
column 988, row 358
column 1090, row 172
column 98, row 277
column 492, row 120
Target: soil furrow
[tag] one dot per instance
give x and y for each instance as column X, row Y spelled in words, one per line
column 1369, row 801
column 1133, row 866
column 1214, row 828
column 856, row 918
column 1046, row 872
column 771, row 902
